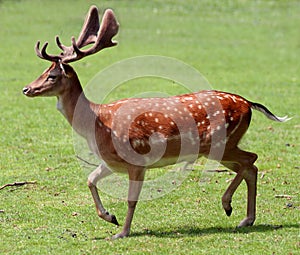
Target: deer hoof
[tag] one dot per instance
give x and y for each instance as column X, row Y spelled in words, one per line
column 228, row 211
column 247, row 222
column 118, row 236
column 114, row 220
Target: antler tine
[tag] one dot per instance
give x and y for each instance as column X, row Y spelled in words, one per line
column 59, row 44
column 79, row 53
column 43, row 54
column 102, row 39
column 67, row 51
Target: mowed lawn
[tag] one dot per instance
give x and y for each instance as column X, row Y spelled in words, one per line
column 251, row 48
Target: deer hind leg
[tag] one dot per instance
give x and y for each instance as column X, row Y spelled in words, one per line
column 136, row 178
column 227, row 197
column 99, row 173
column 242, row 163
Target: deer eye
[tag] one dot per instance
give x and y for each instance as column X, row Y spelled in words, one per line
column 51, row 77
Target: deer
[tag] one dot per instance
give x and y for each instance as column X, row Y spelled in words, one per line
column 133, row 135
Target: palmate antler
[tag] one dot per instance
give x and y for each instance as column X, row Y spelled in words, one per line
column 91, row 32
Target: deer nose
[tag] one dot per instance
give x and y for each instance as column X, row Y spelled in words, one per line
column 26, row 90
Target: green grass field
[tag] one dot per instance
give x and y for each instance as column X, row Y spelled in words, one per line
column 251, row 48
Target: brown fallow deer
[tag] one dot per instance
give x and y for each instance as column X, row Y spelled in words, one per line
column 205, row 123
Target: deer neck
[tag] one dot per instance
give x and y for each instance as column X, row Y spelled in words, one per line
column 77, row 109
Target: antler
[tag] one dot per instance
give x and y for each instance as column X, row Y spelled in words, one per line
column 90, row 33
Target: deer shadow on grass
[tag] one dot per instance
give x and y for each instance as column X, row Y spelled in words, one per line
column 188, row 231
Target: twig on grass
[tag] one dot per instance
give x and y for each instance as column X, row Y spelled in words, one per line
column 17, row 184
column 85, row 161
column 283, row 196
column 217, row 170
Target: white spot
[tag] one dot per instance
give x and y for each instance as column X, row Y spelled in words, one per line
column 203, row 122
column 218, row 144
column 191, row 105
column 160, row 127
column 172, row 123
column 218, row 127
column 136, row 143
column 199, row 106
column 150, row 114
column 216, row 113
column 99, row 123
column 231, row 118
column 198, row 124
column 226, row 125
column 156, row 120
column 129, row 117
column 237, row 126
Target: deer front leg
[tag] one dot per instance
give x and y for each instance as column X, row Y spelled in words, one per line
column 99, row 173
column 136, row 178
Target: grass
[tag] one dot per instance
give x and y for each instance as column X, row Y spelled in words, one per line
column 248, row 48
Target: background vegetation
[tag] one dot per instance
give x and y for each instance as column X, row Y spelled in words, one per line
column 251, row 48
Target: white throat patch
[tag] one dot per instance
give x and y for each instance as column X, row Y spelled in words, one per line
column 59, row 106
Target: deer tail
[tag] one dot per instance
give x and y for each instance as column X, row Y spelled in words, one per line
column 268, row 113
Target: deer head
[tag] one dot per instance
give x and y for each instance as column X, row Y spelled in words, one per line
column 55, row 79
